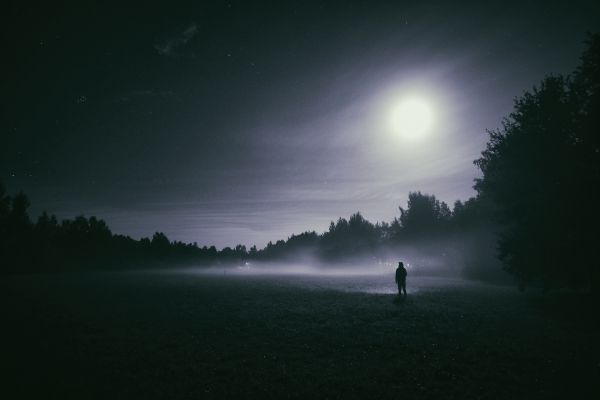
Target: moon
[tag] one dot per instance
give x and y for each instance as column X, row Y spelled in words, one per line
column 412, row 118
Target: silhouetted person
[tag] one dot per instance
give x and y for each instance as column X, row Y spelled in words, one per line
column 401, row 278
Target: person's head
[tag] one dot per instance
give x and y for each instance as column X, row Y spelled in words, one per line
column 400, row 264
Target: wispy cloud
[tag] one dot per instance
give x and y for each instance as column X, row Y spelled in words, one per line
column 171, row 46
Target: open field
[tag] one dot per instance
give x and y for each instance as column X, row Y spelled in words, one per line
column 186, row 334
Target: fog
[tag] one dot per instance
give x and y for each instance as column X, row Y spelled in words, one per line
column 430, row 265
column 375, row 279
column 384, row 262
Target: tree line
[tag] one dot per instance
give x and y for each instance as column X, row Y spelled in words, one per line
column 84, row 243
column 535, row 210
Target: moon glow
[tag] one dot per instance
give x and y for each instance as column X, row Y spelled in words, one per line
column 412, row 118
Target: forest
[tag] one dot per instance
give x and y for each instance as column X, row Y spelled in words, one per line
column 535, row 213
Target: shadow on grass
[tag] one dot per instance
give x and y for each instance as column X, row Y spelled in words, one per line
column 399, row 300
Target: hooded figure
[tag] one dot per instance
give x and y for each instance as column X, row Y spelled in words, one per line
column 401, row 278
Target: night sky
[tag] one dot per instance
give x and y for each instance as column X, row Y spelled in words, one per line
column 231, row 122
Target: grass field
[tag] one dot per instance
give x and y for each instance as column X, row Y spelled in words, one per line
column 186, row 334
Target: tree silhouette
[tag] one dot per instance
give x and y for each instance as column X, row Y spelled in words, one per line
column 541, row 170
column 160, row 244
column 4, row 202
column 349, row 238
column 424, row 215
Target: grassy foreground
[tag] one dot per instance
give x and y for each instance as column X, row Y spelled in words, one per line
column 183, row 335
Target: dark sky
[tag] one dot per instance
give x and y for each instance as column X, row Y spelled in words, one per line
column 243, row 122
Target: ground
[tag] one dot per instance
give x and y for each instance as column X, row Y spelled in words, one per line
column 184, row 334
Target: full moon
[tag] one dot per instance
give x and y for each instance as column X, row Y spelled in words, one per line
column 412, row 118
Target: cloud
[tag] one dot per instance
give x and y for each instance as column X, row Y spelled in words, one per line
column 169, row 47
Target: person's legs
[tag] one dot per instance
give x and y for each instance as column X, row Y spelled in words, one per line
column 404, row 287
column 399, row 289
